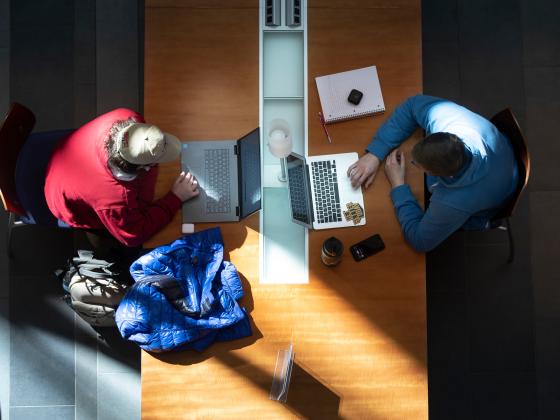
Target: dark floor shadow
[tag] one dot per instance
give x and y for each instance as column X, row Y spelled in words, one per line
column 309, row 397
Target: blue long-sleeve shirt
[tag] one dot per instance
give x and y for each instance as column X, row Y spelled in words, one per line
column 468, row 199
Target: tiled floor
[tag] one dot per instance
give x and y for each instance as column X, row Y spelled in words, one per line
column 57, row 362
column 542, row 89
column 493, row 329
column 57, row 366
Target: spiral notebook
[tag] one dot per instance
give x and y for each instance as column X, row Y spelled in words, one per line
column 335, row 88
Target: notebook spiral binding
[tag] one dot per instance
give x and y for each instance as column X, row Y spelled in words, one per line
column 354, row 115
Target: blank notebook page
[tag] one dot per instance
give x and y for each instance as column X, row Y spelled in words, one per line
column 335, row 88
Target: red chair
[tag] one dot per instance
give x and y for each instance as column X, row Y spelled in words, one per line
column 14, row 131
column 23, row 165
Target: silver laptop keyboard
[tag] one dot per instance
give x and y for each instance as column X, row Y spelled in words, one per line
column 216, row 168
column 325, row 186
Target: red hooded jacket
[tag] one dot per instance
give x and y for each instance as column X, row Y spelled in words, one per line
column 81, row 190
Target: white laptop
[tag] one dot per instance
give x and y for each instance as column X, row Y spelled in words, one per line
column 321, row 195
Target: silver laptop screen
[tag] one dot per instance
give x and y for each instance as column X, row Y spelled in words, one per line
column 300, row 193
column 250, row 173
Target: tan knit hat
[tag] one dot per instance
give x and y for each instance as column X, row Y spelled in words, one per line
column 145, row 144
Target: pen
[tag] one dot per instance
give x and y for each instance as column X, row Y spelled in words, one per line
column 320, row 114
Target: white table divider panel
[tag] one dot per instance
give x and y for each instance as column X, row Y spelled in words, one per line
column 283, row 94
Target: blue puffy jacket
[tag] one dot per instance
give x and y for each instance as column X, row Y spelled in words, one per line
column 185, row 296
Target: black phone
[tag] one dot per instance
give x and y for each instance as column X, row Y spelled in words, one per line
column 367, row 247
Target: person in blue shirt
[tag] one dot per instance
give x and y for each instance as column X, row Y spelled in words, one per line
column 470, row 168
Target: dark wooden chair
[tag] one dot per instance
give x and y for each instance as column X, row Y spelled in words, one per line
column 507, row 124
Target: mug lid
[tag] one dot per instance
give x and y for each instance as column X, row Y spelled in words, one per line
column 333, row 246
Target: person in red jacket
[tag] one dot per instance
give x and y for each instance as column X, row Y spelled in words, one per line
column 103, row 175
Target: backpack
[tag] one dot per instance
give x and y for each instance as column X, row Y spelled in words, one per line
column 93, row 288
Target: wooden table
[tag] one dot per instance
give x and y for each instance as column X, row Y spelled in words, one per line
column 359, row 329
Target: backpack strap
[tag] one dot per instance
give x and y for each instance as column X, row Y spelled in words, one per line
column 88, row 266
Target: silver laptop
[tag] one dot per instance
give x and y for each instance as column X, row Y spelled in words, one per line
column 229, row 177
column 321, row 195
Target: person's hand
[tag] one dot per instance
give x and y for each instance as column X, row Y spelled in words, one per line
column 363, row 171
column 395, row 168
column 185, row 186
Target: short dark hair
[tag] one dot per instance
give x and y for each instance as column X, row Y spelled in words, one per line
column 441, row 154
column 114, row 158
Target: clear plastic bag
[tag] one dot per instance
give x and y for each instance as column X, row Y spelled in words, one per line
column 282, row 374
